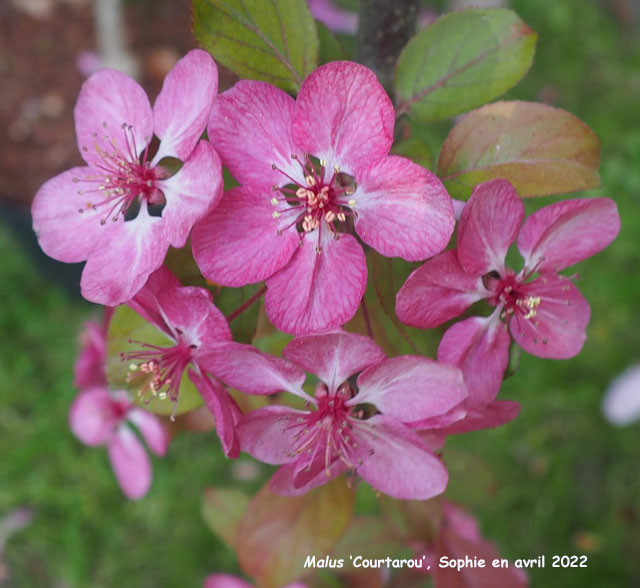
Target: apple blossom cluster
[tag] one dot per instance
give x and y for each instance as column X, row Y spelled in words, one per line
column 316, row 189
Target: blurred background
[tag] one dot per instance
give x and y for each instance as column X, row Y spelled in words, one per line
column 558, row 480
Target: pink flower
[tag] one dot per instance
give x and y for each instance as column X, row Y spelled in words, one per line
column 100, row 417
column 89, row 369
column 311, row 170
column 545, row 312
column 108, row 212
column 229, row 581
column 359, row 425
column 198, row 339
column 621, row 404
column 338, row 20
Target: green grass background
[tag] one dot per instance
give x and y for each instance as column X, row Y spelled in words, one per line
column 558, row 480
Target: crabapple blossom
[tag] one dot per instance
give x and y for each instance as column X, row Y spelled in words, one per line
column 122, row 211
column 545, row 312
column 312, row 171
column 355, row 424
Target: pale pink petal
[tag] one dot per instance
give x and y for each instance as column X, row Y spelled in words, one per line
column 488, row 225
column 318, row 291
column 567, row 232
column 238, row 243
column 403, row 210
column 152, row 429
column 339, row 21
column 334, row 357
column 621, row 404
column 108, row 100
column 291, row 480
column 269, row 434
column 344, row 116
column 182, row 108
column 495, row 414
column 224, row 409
column 94, row 415
column 245, row 368
column 438, row 291
column 191, row 193
column 130, row 463
column 410, row 388
column 63, row 232
column 558, row 328
column 124, row 257
column 394, row 460
column 225, row 581
column 250, row 127
column 458, row 207
column 480, row 347
column 88, row 370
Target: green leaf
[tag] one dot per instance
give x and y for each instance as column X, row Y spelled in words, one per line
column 541, row 150
column 222, row 510
column 330, row 48
column 127, row 325
column 416, row 150
column 228, row 300
column 271, row 40
column 277, row 533
column 462, row 61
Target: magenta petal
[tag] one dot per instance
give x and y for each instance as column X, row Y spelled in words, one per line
column 557, row 330
column 621, row 403
column 63, row 232
column 245, row 368
column 182, row 108
column 488, row 225
column 88, row 370
column 123, row 259
column 238, row 243
column 410, row 388
column 317, row 292
column 130, row 463
column 108, row 100
column 403, row 210
column 290, row 480
column 344, row 116
column 150, row 426
column 567, row 232
column 94, row 415
column 267, row 434
column 334, row 357
column 438, row 291
column 480, row 347
column 191, row 193
column 146, row 301
column 493, row 415
column 396, row 461
column 250, row 127
column 225, row 581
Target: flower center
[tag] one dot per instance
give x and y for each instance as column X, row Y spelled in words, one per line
column 157, row 371
column 122, row 180
column 319, row 197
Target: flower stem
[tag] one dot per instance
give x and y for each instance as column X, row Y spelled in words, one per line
column 367, row 319
column 384, row 28
column 238, row 311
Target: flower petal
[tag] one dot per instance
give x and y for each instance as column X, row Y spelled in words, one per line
column 124, row 257
column 344, row 116
column 267, row 434
column 317, row 292
column 88, row 370
column 558, row 328
column 238, row 243
column 63, row 232
column 480, row 347
column 498, row 412
column 410, row 388
column 438, row 291
column 403, row 210
column 224, row 409
column 94, row 415
column 225, row 581
column 152, row 429
column 108, row 100
column 191, row 193
column 394, row 460
column 250, row 127
column 334, row 357
column 182, row 108
column 130, row 463
column 621, row 404
column 488, row 225
column 245, row 368
column 567, row 232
